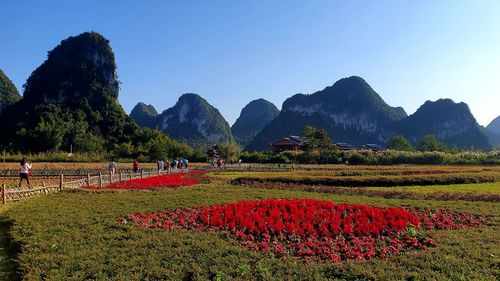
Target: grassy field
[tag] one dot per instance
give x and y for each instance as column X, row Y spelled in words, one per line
column 485, row 188
column 74, row 235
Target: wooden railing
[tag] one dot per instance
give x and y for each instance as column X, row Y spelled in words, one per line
column 100, row 180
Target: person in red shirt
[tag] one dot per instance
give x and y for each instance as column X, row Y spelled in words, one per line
column 135, row 166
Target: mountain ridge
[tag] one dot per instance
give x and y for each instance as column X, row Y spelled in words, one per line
column 351, row 111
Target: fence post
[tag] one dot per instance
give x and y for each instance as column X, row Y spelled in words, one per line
column 4, row 194
column 61, row 182
column 120, row 176
column 43, row 184
column 88, row 179
column 100, row 179
column 149, row 173
column 141, row 174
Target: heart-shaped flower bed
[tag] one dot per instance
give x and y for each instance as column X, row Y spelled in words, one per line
column 313, row 229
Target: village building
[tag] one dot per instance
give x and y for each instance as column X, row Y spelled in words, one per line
column 373, row 147
column 291, row 143
column 345, row 146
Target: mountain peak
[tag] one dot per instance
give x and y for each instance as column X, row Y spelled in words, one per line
column 253, row 117
column 75, row 91
column 449, row 121
column 144, row 115
column 8, row 92
column 85, row 59
column 190, row 97
column 193, row 120
column 494, row 125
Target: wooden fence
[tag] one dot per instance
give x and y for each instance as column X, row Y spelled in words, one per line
column 100, row 180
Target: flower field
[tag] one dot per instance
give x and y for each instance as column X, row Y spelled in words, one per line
column 163, row 181
column 218, row 229
column 313, row 229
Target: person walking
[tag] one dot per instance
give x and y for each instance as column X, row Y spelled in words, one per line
column 24, row 172
column 112, row 167
column 161, row 165
column 135, row 166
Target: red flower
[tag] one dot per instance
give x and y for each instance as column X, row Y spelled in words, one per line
column 163, row 181
column 313, row 229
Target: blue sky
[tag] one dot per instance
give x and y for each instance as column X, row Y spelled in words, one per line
column 231, row 52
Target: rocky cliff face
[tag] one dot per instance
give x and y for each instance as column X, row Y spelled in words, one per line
column 72, row 96
column 145, row 115
column 253, row 117
column 350, row 110
column 8, row 92
column 195, row 121
column 80, row 67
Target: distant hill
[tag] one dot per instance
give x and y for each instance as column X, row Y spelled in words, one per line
column 494, row 125
column 350, row 110
column 8, row 92
column 71, row 99
column 194, row 121
column 253, row 117
column 145, row 115
column 493, row 132
column 450, row 122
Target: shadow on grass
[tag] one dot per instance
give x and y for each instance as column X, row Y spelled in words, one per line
column 8, row 251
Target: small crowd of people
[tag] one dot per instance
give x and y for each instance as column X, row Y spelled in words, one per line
column 26, row 166
column 161, row 165
column 179, row 164
column 222, row 162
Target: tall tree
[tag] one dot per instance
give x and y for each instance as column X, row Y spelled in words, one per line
column 230, row 150
column 318, row 141
column 399, row 142
column 430, row 143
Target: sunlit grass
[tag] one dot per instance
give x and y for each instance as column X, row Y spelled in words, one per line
column 74, row 235
column 487, row 188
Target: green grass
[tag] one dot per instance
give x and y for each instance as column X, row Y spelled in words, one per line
column 355, row 170
column 486, row 188
column 75, row 236
column 7, row 266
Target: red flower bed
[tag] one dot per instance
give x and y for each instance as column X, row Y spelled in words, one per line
column 313, row 229
column 163, row 181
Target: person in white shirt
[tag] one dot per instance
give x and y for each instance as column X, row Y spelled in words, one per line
column 24, row 172
column 112, row 167
column 161, row 165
